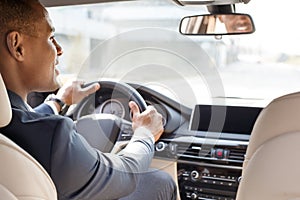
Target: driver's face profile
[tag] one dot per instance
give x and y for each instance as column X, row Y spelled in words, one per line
column 236, row 23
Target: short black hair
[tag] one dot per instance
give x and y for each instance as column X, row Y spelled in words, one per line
column 18, row 15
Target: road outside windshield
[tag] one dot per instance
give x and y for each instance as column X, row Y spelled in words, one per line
column 139, row 42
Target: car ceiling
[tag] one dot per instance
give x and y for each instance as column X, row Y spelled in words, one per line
column 49, row 3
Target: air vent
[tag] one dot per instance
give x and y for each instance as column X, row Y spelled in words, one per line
column 193, row 151
column 216, row 154
column 237, row 154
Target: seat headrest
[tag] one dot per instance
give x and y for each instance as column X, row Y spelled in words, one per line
column 281, row 116
column 5, row 107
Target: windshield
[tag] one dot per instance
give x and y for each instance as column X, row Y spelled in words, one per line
column 139, row 42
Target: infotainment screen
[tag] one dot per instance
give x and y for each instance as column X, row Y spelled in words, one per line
column 226, row 119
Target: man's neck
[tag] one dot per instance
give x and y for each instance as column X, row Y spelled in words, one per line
column 14, row 84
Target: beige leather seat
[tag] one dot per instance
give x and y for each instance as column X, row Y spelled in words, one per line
column 272, row 164
column 21, row 176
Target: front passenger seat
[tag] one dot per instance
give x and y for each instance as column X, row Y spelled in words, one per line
column 21, row 176
column 271, row 170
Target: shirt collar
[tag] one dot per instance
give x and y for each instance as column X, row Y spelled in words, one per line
column 17, row 102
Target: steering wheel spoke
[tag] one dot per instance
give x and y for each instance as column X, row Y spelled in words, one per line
column 126, row 131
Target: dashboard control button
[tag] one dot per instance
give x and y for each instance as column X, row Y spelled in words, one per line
column 195, row 175
column 194, row 196
column 160, row 146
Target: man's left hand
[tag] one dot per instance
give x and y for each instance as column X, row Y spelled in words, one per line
column 73, row 92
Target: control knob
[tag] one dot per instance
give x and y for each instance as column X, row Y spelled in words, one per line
column 195, row 175
column 160, row 146
column 194, row 196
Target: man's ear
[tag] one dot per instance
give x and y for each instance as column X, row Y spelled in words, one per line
column 14, row 41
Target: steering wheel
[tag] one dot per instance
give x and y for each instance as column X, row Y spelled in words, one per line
column 103, row 130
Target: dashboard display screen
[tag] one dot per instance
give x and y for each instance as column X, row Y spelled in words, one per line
column 226, row 119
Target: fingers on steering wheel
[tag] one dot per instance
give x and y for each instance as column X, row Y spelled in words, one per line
column 91, row 88
column 134, row 109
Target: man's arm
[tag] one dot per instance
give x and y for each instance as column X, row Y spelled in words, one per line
column 82, row 172
column 45, row 109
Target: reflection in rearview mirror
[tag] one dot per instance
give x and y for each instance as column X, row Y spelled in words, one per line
column 217, row 24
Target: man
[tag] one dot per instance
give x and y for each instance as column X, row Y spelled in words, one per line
column 237, row 23
column 28, row 56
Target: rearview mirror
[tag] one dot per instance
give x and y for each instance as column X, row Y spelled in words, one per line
column 217, row 24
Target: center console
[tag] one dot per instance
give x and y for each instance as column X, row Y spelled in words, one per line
column 214, row 174
column 210, row 154
column 202, row 181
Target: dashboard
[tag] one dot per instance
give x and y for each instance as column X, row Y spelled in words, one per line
column 207, row 143
column 107, row 101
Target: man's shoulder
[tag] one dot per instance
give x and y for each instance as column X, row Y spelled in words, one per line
column 44, row 122
column 40, row 116
column 36, row 133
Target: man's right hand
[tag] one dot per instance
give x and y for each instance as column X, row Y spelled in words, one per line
column 149, row 119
